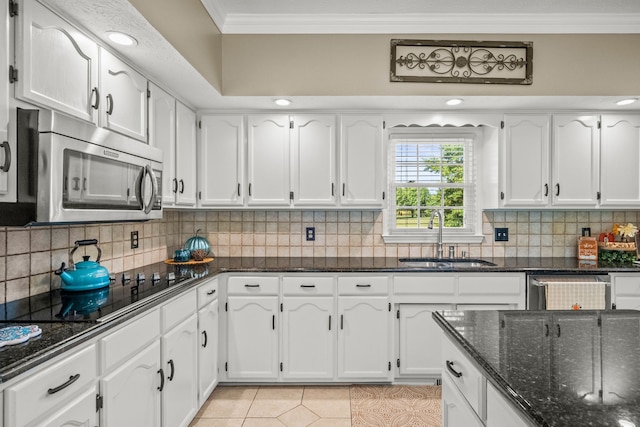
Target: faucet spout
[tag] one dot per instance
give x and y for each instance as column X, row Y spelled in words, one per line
column 430, row 226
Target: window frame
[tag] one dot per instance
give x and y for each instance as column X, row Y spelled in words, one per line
column 472, row 232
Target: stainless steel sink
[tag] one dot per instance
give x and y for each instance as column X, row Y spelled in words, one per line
column 456, row 263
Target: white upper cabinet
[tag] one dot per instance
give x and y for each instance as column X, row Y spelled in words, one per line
column 268, row 160
column 620, row 157
column 57, row 65
column 185, row 155
column 313, row 160
column 221, row 161
column 123, row 98
column 7, row 148
column 162, row 134
column 361, row 161
column 525, row 161
column 550, row 161
column 575, row 160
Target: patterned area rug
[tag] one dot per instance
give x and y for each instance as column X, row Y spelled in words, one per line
column 397, row 406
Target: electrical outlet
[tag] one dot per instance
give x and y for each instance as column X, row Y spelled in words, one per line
column 134, row 240
column 502, row 235
column 311, row 233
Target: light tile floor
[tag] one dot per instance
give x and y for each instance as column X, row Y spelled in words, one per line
column 321, row 406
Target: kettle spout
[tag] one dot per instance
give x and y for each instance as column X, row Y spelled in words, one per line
column 62, row 272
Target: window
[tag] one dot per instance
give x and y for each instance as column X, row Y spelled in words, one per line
column 431, row 170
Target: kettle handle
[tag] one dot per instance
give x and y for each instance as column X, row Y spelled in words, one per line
column 60, row 270
column 86, row 242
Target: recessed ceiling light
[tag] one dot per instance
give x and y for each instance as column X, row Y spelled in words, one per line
column 122, row 38
column 282, row 102
column 454, row 101
column 626, row 101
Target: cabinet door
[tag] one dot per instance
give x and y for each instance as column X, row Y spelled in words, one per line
column 180, row 394
column 308, row 338
column 525, row 161
column 575, row 355
column 58, row 65
column 314, row 160
column 620, row 157
column 220, row 161
column 7, row 155
column 361, row 164
column 124, row 97
column 575, row 166
column 208, row 351
column 268, row 160
column 185, row 155
column 162, row 134
column 500, row 412
column 364, row 338
column 456, row 411
column 252, row 338
column 81, row 411
column 132, row 392
column 420, row 340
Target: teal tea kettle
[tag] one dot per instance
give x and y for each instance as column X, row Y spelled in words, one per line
column 86, row 275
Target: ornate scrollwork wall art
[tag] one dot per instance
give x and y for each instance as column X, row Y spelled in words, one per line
column 461, row 61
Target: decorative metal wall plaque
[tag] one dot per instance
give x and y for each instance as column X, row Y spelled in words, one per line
column 455, row 61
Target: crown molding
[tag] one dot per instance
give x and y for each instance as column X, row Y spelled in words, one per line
column 217, row 12
column 441, row 23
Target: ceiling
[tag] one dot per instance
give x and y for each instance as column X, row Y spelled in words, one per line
column 424, row 16
column 164, row 65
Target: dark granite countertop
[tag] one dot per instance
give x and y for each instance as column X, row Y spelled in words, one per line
column 59, row 337
column 560, row 368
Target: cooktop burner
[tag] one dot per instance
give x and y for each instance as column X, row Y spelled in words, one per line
column 127, row 291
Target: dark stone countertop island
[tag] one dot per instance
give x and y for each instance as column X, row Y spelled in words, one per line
column 559, row 368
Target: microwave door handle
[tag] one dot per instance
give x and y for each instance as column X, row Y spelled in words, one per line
column 154, row 189
column 139, row 184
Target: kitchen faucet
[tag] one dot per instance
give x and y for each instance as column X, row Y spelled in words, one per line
column 430, row 226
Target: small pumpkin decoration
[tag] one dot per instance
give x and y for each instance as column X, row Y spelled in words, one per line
column 198, row 245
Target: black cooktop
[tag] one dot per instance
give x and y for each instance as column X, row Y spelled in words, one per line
column 126, row 291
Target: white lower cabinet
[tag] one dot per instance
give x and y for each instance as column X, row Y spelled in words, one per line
column 81, row 411
column 132, row 392
column 456, row 412
column 364, row 337
column 419, row 340
column 252, row 321
column 500, row 412
column 208, row 350
column 180, row 394
column 308, row 328
column 50, row 397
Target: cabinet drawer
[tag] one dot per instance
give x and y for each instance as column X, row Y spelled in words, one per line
column 207, row 292
column 490, row 285
column 115, row 347
column 361, row 285
column 52, row 387
column 246, row 285
column 432, row 285
column 470, row 381
column 307, row 286
column 178, row 309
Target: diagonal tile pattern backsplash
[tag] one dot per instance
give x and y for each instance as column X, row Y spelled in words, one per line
column 28, row 256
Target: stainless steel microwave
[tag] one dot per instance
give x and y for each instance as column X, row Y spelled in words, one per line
column 74, row 172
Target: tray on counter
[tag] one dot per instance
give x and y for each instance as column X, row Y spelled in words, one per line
column 190, row 262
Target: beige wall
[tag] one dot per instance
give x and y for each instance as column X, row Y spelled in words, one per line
column 189, row 28
column 602, row 64
column 28, row 256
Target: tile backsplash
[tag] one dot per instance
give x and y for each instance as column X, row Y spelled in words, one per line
column 28, row 256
